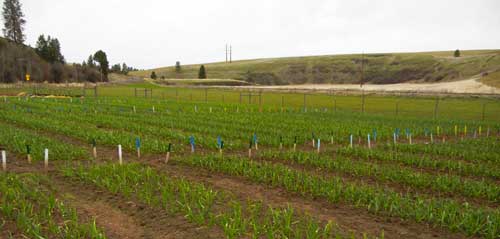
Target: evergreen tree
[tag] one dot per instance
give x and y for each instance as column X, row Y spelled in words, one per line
column 178, row 66
column 42, row 47
column 457, row 53
column 55, row 51
column 117, row 68
column 101, row 57
column 49, row 49
column 90, row 61
column 14, row 21
column 124, row 68
column 153, row 75
column 202, row 74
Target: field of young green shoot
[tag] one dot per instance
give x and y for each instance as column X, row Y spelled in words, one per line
column 217, row 168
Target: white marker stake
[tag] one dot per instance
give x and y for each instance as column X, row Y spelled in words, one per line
column 294, row 147
column 319, row 145
column 120, row 154
column 134, row 110
column 432, row 138
column 153, row 109
column 29, row 158
column 256, row 145
column 369, row 142
column 331, row 140
column 350, row 141
column 410, row 139
column 167, row 157
column 94, row 152
column 394, row 138
column 250, row 153
column 192, row 148
column 46, row 157
column 4, row 161
column 139, row 152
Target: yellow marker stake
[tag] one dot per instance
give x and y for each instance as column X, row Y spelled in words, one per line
column 456, row 130
column 28, row 77
column 465, row 130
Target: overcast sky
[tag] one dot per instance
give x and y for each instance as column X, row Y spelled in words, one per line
column 154, row 33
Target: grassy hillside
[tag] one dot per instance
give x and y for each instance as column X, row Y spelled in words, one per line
column 378, row 68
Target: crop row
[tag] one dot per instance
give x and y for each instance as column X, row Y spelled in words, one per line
column 269, row 126
column 392, row 173
column 483, row 169
column 201, row 204
column 22, row 142
column 444, row 212
column 37, row 213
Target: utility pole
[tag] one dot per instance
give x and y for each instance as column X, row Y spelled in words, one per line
column 230, row 54
column 226, row 53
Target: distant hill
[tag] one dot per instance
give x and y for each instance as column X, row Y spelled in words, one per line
column 338, row 69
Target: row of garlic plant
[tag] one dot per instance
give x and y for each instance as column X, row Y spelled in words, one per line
column 201, row 204
column 444, row 212
column 21, row 141
column 37, row 213
column 439, row 183
column 239, row 126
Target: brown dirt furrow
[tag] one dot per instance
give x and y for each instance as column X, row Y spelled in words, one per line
column 348, row 217
column 371, row 180
column 125, row 218
column 8, row 229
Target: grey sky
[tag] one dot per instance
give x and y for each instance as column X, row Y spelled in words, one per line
column 153, row 33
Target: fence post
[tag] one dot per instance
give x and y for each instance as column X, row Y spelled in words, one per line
column 436, row 106
column 304, row 101
column 363, row 102
column 484, row 112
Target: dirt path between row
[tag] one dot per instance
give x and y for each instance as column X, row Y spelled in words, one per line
column 125, row 218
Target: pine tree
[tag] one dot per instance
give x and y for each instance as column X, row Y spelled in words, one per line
column 124, row 68
column 101, row 57
column 153, row 75
column 90, row 61
column 202, row 74
column 14, row 21
column 457, row 53
column 178, row 67
column 42, row 47
column 49, row 49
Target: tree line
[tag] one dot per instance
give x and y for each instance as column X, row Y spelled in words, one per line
column 45, row 62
